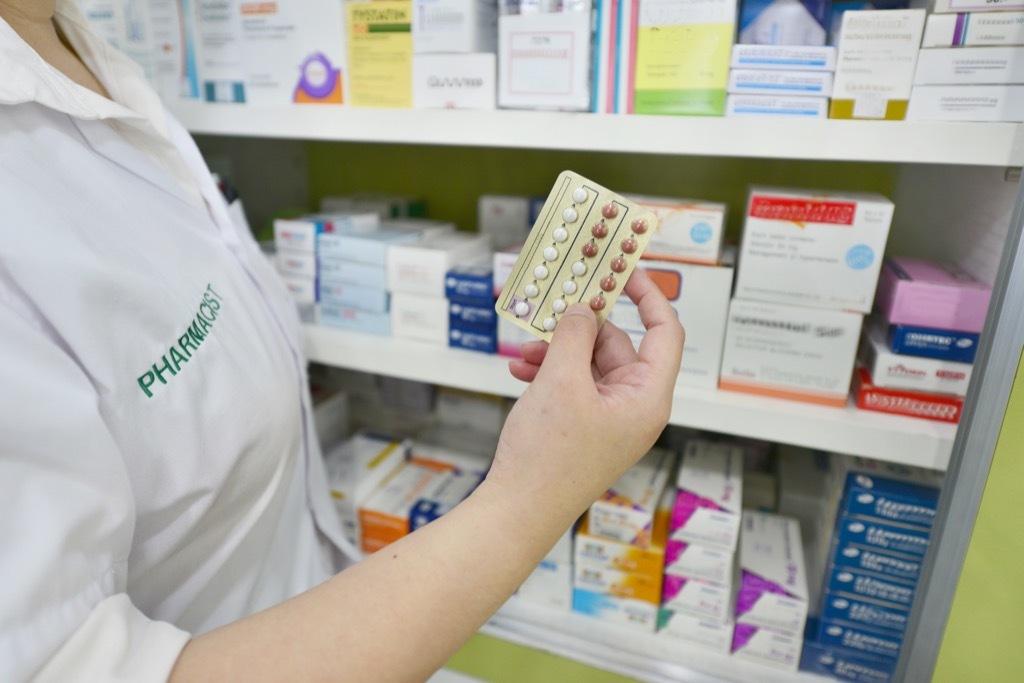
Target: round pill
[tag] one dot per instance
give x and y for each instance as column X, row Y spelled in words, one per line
column 569, row 287
column 569, row 215
column 559, row 305
column 560, row 234
column 610, row 210
column 579, row 268
column 531, row 290
column 607, row 283
column 618, row 264
column 550, row 253
column 549, row 324
column 599, row 230
column 628, row 245
column 522, row 308
column 597, row 303
column 589, row 249
column 639, row 226
column 540, row 272
column 579, row 195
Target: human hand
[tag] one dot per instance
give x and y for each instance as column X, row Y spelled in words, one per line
column 594, row 406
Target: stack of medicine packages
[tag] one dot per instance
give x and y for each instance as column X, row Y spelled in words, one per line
column 417, row 272
column 507, row 220
column 354, row 290
column 685, row 256
column 808, row 269
column 620, row 546
column 919, row 347
column 882, row 531
column 454, row 61
column 699, row 591
column 297, row 252
column 782, row 66
column 472, row 318
column 971, row 67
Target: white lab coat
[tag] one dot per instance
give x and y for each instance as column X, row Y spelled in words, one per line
column 158, row 471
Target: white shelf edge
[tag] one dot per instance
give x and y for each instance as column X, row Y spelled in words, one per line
column 648, row 657
column 904, row 440
column 982, row 144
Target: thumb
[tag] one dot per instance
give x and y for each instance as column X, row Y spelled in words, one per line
column 572, row 344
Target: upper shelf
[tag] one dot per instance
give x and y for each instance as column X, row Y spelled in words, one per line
column 980, row 144
column 905, row 440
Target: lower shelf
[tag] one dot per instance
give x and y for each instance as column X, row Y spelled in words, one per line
column 904, row 440
column 646, row 657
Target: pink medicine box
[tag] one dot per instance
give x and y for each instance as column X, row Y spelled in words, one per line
column 926, row 294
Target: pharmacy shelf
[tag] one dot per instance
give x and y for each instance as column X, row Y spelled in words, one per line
column 982, row 144
column 647, row 657
column 908, row 441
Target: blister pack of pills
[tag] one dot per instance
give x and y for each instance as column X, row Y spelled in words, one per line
column 584, row 246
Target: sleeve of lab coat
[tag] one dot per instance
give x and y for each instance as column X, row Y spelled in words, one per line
column 66, row 523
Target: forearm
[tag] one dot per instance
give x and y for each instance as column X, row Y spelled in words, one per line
column 399, row 614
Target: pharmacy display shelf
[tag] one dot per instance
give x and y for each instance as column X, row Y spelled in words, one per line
column 903, row 440
column 655, row 658
column 980, row 144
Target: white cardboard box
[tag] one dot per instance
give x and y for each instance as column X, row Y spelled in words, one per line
column 544, row 61
column 506, row 218
column 764, row 646
column 702, row 562
column 807, row 248
column 990, row 103
column 454, row 81
column 974, row 29
column 423, row 318
column 626, row 511
column 421, row 267
column 780, row 82
column 454, row 26
column 634, row 614
column 549, row 585
column 894, row 371
column 790, row 352
column 939, row 6
column 710, row 496
column 700, row 297
column 970, row 66
column 775, row 106
column 698, row 598
column 704, row 633
column 689, row 230
column 773, row 590
column 798, row 57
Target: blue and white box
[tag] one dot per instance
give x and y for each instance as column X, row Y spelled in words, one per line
column 867, row 613
column 780, row 82
column 879, row 563
column 900, row 502
column 861, row 584
column 370, row 247
column 784, row 22
column 845, row 665
column 472, row 315
column 353, row 296
column 473, row 282
column 353, row 319
column 837, row 634
column 802, row 57
column 866, row 533
column 776, row 106
column 960, row 347
column 485, row 341
column 353, row 272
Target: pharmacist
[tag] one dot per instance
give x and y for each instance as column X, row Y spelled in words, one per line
column 157, row 480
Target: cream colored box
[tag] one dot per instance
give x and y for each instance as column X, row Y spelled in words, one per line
column 688, row 229
column 420, row 267
column 544, row 61
column 813, row 248
column 974, row 29
column 985, row 103
column 626, row 511
column 451, row 81
column 423, row 318
column 970, row 66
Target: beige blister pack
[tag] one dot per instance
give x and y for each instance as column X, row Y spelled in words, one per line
column 584, row 246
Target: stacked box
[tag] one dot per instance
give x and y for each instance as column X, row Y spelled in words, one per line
column 472, row 319
column 880, row 539
column 507, row 219
column 620, row 546
column 550, row 585
column 454, row 62
column 918, row 350
column 782, row 79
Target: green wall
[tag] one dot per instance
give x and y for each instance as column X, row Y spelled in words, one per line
column 983, row 637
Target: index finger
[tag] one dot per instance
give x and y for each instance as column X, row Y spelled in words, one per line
column 662, row 345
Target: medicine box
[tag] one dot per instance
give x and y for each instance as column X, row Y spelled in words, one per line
column 597, row 551
column 544, row 61
column 379, row 40
column 790, row 352
column 928, row 294
column 370, row 248
column 423, row 318
column 842, row 580
column 882, row 536
column 473, row 339
column 549, row 586
column 562, row 551
column 892, row 371
column 878, row 51
column 970, row 66
column 939, row 6
column 710, row 495
column 861, row 612
column 355, row 468
column 856, row 639
column 353, row 272
column 296, row 262
column 700, row 297
column 638, row 615
column 458, row 409
column 449, row 492
column 303, row 289
column 384, row 516
column 792, row 237
column 711, row 601
column 845, row 665
column 454, row 81
column 764, row 646
column 454, row 26
column 878, row 563
column 784, row 22
column 505, row 218
column 618, row 583
column 469, row 316
column 951, row 345
column 504, row 262
column 925, row 405
column 799, row 57
column 889, row 500
column 776, row 106
column 974, row 29
column 511, row 337
column 463, row 448
column 979, row 103
column 772, row 593
column 706, row 634
column 688, row 230
column 471, row 283
column 354, row 319
column 422, row 267
column 353, row 296
column 780, row 82
column 699, row 562
column 301, row 234
column 626, row 511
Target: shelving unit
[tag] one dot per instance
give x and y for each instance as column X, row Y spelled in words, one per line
column 904, row 440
